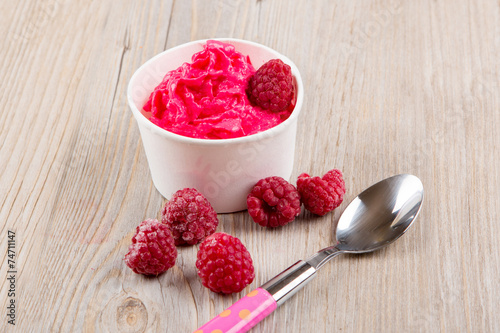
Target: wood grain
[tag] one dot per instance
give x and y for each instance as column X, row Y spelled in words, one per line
column 392, row 87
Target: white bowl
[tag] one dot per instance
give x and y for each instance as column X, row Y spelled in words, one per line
column 223, row 170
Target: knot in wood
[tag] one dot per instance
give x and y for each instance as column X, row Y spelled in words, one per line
column 132, row 316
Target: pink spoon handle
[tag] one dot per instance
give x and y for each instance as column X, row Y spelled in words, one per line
column 258, row 304
column 242, row 315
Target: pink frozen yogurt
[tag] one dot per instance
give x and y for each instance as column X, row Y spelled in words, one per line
column 206, row 98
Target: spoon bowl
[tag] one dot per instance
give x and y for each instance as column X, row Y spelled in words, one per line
column 380, row 214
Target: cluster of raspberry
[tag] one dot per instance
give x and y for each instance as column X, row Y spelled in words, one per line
column 223, row 262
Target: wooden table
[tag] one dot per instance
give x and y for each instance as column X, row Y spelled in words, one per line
column 392, row 87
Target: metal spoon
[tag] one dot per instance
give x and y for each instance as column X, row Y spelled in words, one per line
column 375, row 218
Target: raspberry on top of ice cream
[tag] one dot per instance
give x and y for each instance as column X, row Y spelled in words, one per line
column 206, row 98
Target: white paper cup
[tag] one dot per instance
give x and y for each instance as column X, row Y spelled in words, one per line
column 223, row 170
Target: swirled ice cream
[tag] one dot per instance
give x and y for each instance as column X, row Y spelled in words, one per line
column 206, row 98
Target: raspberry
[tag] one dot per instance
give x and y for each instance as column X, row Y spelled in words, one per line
column 271, row 86
column 321, row 195
column 224, row 264
column 189, row 216
column 273, row 202
column 152, row 250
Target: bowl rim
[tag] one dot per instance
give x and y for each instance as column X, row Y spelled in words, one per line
column 271, row 132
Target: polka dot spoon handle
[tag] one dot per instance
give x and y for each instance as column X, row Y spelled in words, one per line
column 258, row 304
column 242, row 315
